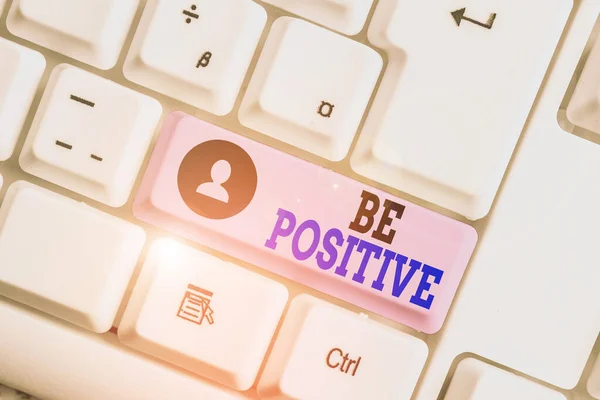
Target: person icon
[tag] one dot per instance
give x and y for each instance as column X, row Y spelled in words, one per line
column 217, row 179
column 219, row 173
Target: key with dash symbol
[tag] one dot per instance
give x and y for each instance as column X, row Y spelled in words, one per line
column 82, row 101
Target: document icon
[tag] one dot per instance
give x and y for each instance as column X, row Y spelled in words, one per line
column 195, row 306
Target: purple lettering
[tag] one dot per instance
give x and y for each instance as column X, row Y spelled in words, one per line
column 308, row 224
column 279, row 230
column 352, row 242
column 330, row 248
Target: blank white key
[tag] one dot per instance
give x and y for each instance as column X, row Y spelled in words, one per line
column 324, row 352
column 205, row 315
column 310, row 88
column 182, row 50
column 530, row 299
column 593, row 383
column 52, row 360
column 345, row 16
column 455, row 98
column 584, row 108
column 91, row 31
column 64, row 257
column 20, row 72
column 90, row 135
column 476, row 380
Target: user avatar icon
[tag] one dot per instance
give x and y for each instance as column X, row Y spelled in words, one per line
column 217, row 179
column 219, row 173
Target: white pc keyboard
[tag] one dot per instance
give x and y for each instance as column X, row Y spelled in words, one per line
column 299, row 200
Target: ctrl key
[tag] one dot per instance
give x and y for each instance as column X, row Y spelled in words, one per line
column 329, row 353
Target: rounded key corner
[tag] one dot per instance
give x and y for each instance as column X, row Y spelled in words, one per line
column 470, row 235
column 5, row 153
column 177, row 117
column 468, row 362
column 40, row 59
column 154, row 105
column 260, row 12
column 286, row 19
column 20, row 186
column 433, row 325
column 125, row 333
column 375, row 55
column 245, row 381
column 480, row 208
column 97, row 325
column 142, row 206
column 282, row 291
column 137, row 59
column 104, row 64
column 64, row 66
column 141, row 235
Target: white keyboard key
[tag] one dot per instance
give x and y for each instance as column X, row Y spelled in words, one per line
column 182, row 50
column 91, row 31
column 530, row 299
column 90, row 135
column 324, row 352
column 205, row 315
column 310, row 88
column 20, row 72
column 345, row 16
column 476, row 380
column 584, row 108
column 64, row 257
column 52, row 360
column 455, row 98
column 593, row 383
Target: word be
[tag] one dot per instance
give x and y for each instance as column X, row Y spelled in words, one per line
column 333, row 361
column 367, row 210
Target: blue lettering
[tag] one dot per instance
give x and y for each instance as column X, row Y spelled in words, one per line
column 424, row 285
column 388, row 256
column 370, row 250
column 400, row 284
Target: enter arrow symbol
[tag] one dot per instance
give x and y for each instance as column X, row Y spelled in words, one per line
column 459, row 16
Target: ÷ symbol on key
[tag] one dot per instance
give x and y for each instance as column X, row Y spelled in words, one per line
column 191, row 14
